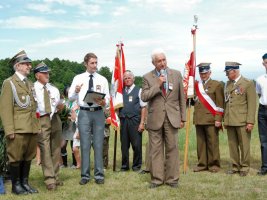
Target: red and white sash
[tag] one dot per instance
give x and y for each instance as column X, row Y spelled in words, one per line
column 206, row 100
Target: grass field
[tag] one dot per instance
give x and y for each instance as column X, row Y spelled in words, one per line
column 130, row 185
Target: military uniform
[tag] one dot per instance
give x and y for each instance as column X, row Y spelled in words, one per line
column 240, row 109
column 18, row 114
column 207, row 134
column 50, row 138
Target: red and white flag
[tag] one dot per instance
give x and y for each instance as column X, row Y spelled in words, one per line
column 189, row 72
column 116, row 99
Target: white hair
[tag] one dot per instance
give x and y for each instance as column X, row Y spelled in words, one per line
column 156, row 52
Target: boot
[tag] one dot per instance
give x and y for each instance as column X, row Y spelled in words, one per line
column 25, row 170
column 15, row 179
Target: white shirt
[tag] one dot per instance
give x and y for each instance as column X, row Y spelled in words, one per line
column 237, row 79
column 21, row 77
column 142, row 104
column 261, row 88
column 53, row 94
column 100, row 85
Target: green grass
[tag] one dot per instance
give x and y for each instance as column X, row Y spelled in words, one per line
column 130, row 185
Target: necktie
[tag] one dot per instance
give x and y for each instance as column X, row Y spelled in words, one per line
column 203, row 82
column 91, row 86
column 163, row 90
column 26, row 82
column 127, row 90
column 47, row 101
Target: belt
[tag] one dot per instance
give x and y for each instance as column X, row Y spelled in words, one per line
column 91, row 109
column 263, row 106
column 46, row 115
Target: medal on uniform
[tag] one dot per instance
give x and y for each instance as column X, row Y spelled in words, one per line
column 170, row 86
column 98, row 88
column 130, row 98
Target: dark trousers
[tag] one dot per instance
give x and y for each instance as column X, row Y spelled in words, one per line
column 130, row 135
column 262, row 123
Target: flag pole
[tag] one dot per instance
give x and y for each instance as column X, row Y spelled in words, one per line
column 188, row 123
column 115, row 150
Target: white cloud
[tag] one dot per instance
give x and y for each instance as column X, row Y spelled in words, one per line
column 45, row 8
column 256, row 5
column 169, row 6
column 248, row 36
column 121, row 10
column 65, row 40
column 29, row 22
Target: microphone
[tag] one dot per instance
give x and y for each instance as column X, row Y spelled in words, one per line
column 162, row 72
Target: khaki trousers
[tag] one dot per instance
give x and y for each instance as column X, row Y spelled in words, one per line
column 208, row 151
column 164, row 154
column 239, row 147
column 49, row 142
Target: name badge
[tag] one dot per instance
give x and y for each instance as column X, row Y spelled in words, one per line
column 170, row 86
column 98, row 88
column 130, row 98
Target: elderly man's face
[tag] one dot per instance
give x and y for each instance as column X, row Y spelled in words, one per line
column 42, row 77
column 205, row 76
column 232, row 74
column 128, row 79
column 160, row 61
column 24, row 68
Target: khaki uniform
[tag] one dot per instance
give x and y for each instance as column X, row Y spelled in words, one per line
column 207, row 134
column 240, row 109
column 19, row 120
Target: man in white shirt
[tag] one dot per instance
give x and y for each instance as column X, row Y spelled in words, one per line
column 261, row 89
column 49, row 105
column 91, row 118
column 132, row 118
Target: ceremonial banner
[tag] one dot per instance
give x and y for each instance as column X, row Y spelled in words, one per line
column 116, row 99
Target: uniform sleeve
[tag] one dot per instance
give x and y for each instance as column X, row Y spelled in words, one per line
column 7, row 108
column 142, row 103
column 106, row 91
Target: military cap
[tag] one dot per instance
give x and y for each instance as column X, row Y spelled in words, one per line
column 20, row 57
column 41, row 67
column 203, row 67
column 264, row 56
column 231, row 65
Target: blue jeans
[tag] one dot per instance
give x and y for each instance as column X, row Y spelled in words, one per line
column 262, row 122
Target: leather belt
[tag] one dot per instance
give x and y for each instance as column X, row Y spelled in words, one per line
column 46, row 115
column 263, row 106
column 91, row 109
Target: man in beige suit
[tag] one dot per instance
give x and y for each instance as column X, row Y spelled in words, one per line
column 18, row 113
column 208, row 114
column 163, row 91
column 239, row 117
column 49, row 106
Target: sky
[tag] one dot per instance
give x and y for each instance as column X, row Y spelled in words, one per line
column 228, row 30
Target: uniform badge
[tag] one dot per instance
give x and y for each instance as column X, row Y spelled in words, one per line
column 170, row 86
column 130, row 98
column 23, row 97
column 98, row 88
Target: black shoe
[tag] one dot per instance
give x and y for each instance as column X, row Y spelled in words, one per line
column 136, row 169
column 262, row 172
column 143, row 172
column 154, row 185
column 99, row 181
column 83, row 181
column 172, row 185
